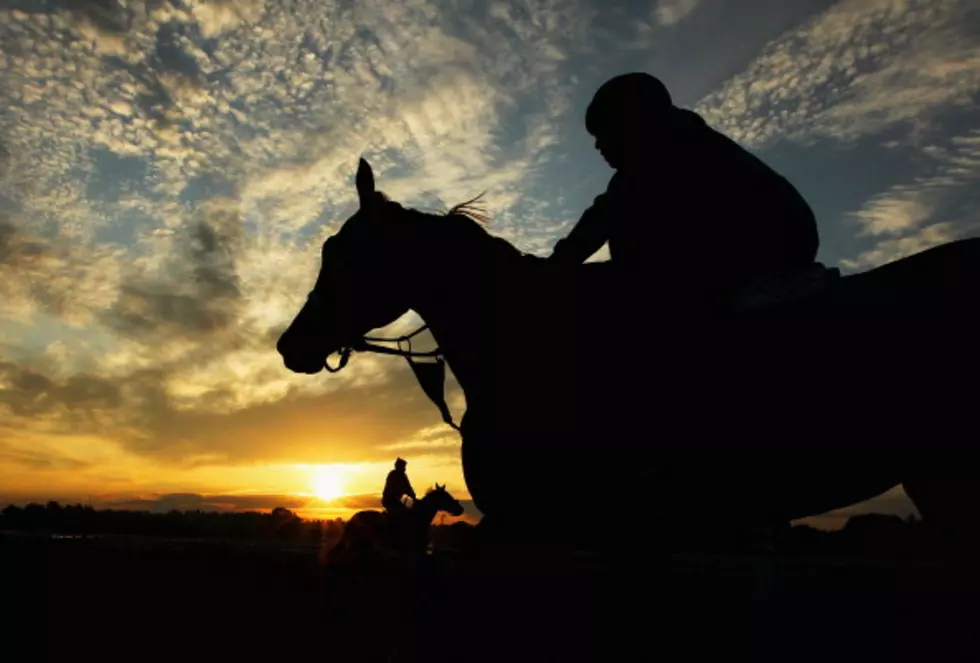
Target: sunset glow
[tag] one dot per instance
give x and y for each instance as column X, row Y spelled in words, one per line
column 170, row 170
column 328, row 483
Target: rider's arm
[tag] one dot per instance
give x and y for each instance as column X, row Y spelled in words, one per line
column 587, row 237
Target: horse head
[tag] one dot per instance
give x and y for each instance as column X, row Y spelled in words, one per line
column 438, row 499
column 366, row 269
column 359, row 286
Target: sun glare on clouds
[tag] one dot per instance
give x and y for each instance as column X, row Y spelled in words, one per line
column 328, row 482
column 169, row 171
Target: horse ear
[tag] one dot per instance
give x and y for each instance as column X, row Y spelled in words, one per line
column 364, row 182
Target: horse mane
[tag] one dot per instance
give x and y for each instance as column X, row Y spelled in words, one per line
column 472, row 209
column 433, row 488
column 471, row 219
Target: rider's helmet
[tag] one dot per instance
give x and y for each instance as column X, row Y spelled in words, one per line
column 627, row 101
column 400, row 462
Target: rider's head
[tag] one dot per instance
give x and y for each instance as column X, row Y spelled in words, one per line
column 626, row 111
column 400, row 463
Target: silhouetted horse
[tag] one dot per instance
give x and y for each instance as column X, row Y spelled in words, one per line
column 767, row 415
column 405, row 536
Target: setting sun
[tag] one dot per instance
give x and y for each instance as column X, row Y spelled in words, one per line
column 328, row 483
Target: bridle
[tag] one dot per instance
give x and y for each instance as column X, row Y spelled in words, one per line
column 431, row 375
column 368, row 344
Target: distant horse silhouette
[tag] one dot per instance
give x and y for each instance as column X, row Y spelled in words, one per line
column 454, row 539
column 776, row 413
column 406, row 536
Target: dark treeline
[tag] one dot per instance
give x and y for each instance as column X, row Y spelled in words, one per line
column 871, row 534
column 279, row 524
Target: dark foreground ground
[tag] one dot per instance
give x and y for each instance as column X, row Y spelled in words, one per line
column 132, row 599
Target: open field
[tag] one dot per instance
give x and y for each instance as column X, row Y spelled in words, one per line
column 159, row 599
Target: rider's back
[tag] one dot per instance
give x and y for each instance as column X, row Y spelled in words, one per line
column 696, row 213
column 396, row 485
column 705, row 210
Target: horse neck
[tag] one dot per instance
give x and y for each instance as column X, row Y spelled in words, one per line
column 464, row 272
column 426, row 510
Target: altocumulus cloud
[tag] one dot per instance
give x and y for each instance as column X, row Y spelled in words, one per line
column 867, row 69
column 168, row 171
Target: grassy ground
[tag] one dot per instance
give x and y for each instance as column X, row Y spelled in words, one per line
column 159, row 600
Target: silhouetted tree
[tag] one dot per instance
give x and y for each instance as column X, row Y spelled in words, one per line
column 866, row 534
column 78, row 519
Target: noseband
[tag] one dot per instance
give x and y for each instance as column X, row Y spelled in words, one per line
column 430, row 375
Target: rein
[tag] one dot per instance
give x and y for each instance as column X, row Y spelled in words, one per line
column 367, row 344
column 430, row 375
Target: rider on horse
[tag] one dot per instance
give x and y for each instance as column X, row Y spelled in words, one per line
column 687, row 205
column 397, row 485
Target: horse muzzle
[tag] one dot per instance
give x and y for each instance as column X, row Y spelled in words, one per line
column 299, row 359
column 303, row 365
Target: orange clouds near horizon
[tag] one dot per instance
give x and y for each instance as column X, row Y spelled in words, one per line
column 170, row 170
column 317, row 491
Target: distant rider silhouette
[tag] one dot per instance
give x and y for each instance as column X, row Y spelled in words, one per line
column 397, row 486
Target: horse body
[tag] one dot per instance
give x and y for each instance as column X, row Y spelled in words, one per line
column 370, row 533
column 779, row 413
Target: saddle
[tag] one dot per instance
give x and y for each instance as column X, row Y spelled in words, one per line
column 784, row 288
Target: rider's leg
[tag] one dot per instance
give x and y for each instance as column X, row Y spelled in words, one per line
column 944, row 491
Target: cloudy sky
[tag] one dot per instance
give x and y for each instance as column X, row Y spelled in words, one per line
column 169, row 168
